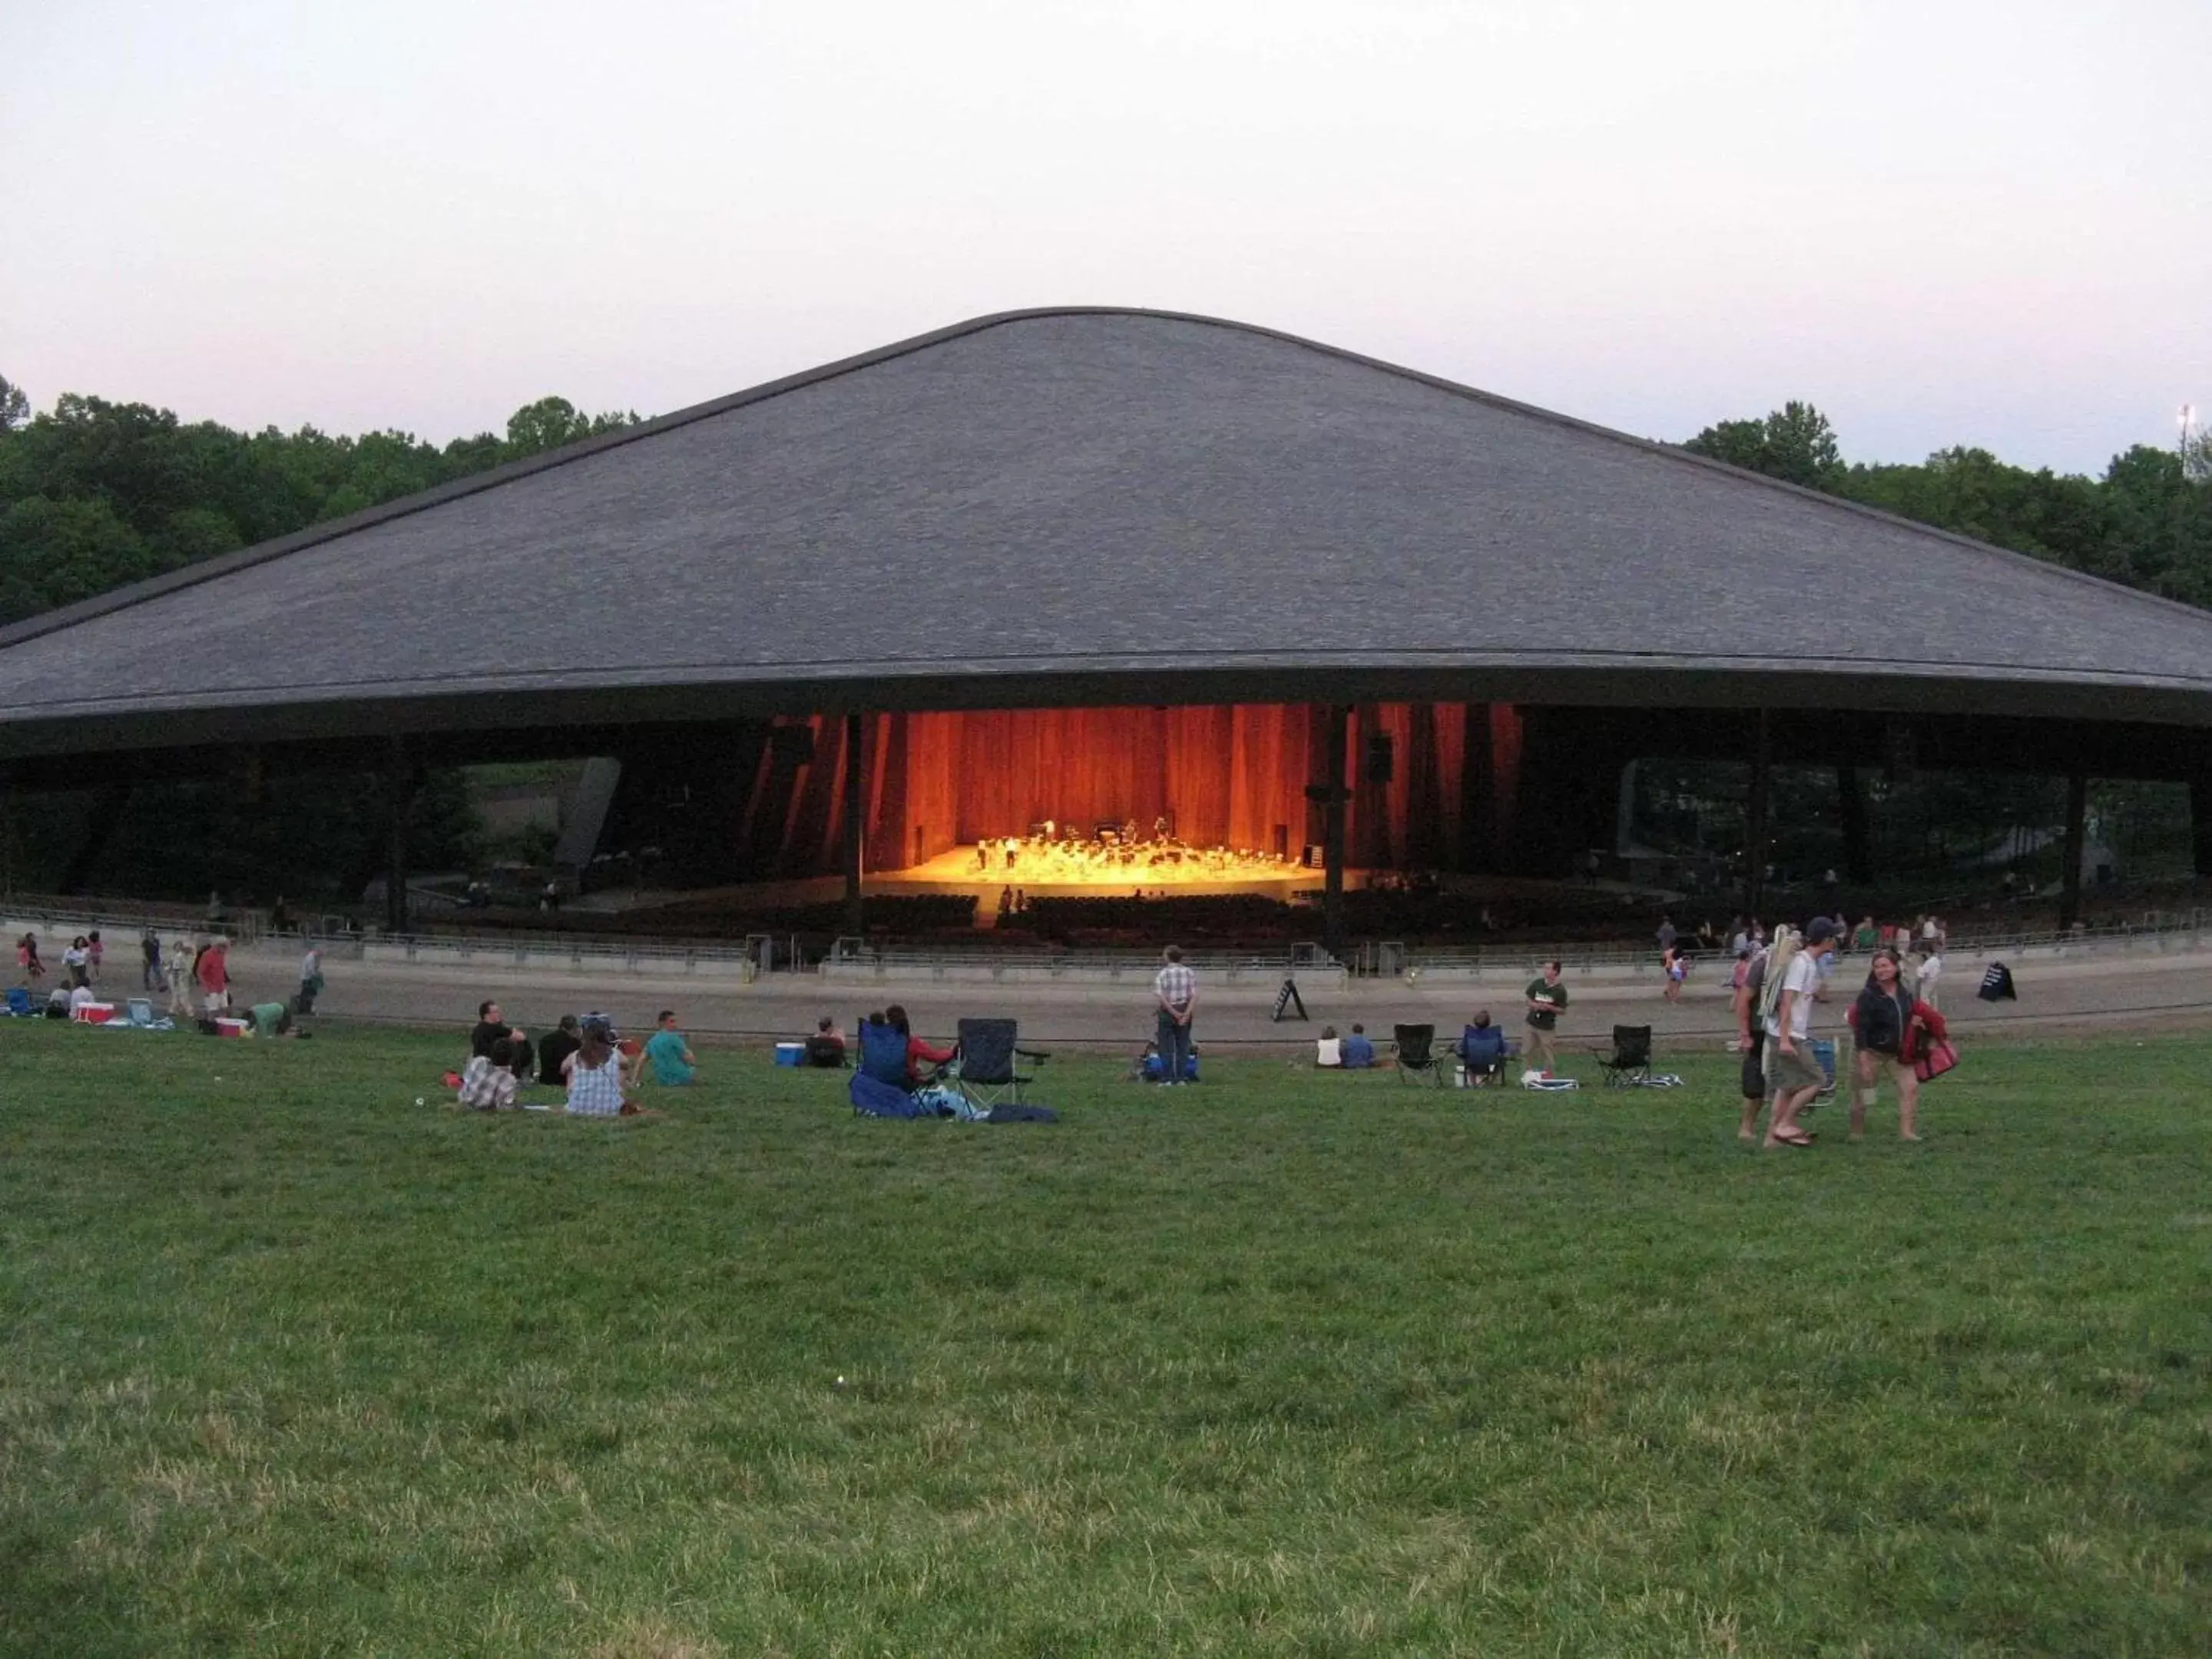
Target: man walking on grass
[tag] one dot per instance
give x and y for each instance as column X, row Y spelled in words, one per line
column 1174, row 988
column 1791, row 1072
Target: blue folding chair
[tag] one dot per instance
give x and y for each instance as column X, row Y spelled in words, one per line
column 883, row 1053
column 18, row 1003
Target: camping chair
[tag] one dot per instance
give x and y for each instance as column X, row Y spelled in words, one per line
column 1484, row 1049
column 18, row 1003
column 990, row 1062
column 1414, row 1054
column 883, row 1053
column 1630, row 1062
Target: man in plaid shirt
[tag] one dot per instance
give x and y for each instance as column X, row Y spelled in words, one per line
column 1176, row 988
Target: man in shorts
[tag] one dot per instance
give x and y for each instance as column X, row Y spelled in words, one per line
column 1751, row 1041
column 1791, row 1072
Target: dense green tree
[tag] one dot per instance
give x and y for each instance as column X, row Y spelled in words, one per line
column 54, row 553
column 552, row 422
column 95, row 494
column 14, row 407
column 1795, row 443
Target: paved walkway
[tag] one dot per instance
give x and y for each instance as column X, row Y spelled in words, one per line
column 2169, row 992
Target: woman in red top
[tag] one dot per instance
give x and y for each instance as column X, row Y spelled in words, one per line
column 1891, row 1025
column 916, row 1050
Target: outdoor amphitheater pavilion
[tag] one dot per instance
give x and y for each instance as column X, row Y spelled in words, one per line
column 1203, row 596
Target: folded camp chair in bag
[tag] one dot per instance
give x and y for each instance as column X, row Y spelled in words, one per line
column 990, row 1062
column 1630, row 1062
column 1415, row 1054
column 872, row 1098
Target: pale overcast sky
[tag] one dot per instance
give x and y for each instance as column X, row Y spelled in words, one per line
column 1943, row 222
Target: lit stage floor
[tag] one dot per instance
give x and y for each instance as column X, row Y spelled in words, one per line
column 1056, row 872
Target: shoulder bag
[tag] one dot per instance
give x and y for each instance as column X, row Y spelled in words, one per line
column 1934, row 1060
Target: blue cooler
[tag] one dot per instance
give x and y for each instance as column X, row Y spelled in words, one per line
column 790, row 1054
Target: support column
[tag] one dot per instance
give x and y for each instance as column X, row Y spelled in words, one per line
column 855, row 804
column 1850, row 799
column 2077, row 822
column 1337, row 727
column 399, row 796
column 1755, row 848
column 2200, row 825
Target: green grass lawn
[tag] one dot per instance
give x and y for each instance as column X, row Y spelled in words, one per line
column 1282, row 1363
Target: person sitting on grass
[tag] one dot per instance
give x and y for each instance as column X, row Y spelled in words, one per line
column 595, row 1075
column 488, row 1084
column 59, row 1001
column 1358, row 1052
column 1482, row 1049
column 554, row 1049
column 826, row 1048
column 1328, row 1052
column 670, row 1057
column 491, row 1025
column 916, row 1050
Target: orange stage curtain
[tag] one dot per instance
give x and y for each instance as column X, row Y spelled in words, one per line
column 1227, row 774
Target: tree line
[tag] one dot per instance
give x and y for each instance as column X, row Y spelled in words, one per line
column 96, row 495
column 2145, row 523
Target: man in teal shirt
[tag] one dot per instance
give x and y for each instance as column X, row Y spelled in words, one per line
column 668, row 1054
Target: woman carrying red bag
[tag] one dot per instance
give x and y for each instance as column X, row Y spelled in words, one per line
column 1896, row 1032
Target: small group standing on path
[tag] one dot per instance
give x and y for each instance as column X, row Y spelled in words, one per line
column 1897, row 1031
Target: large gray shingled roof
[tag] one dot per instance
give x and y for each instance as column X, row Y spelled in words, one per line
column 1089, row 506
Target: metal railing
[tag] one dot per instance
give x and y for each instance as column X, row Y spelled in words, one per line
column 2163, row 926
column 48, row 914
column 758, row 954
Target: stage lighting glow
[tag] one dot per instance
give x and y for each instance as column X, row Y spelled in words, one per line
column 1059, row 862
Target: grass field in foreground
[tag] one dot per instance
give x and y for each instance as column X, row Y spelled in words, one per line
column 1280, row 1363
